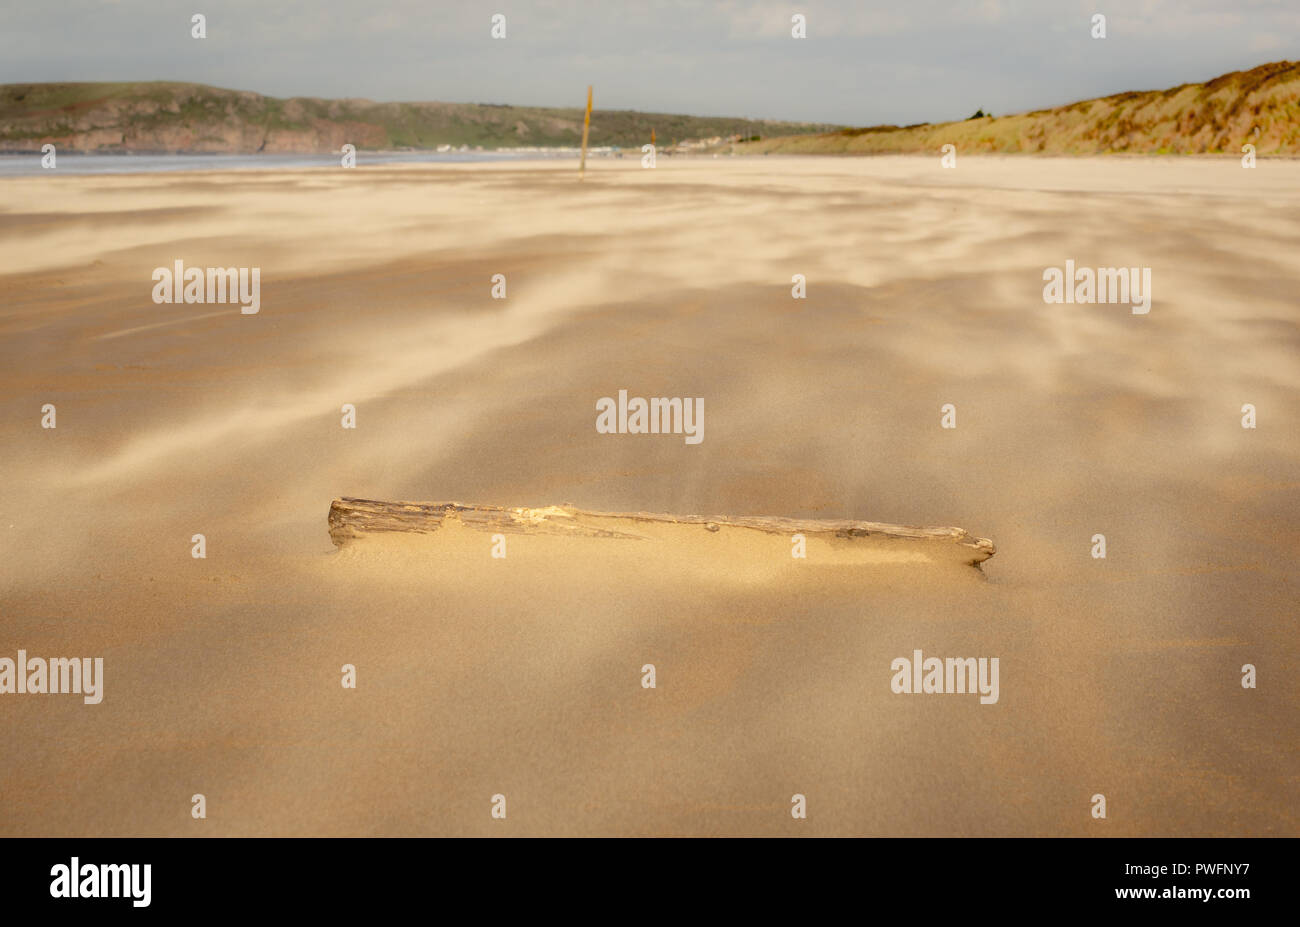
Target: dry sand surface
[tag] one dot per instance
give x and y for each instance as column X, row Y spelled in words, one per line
column 522, row 676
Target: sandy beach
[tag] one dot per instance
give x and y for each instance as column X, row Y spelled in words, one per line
column 522, row 676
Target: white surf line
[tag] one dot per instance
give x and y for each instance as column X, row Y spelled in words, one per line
column 145, row 328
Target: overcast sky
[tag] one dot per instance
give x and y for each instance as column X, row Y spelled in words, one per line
column 863, row 62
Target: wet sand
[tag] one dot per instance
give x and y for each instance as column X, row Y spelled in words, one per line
column 522, row 676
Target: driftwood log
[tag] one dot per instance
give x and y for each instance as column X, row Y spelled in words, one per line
column 355, row 518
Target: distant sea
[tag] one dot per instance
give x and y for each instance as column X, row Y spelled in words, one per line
column 14, row 165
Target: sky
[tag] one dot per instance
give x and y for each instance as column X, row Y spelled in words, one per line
column 862, row 63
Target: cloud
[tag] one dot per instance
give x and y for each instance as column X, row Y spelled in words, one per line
column 862, row 63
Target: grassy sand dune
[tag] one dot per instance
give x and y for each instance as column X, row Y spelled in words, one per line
column 1260, row 106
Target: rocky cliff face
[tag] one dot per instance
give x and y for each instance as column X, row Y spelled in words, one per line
column 186, row 119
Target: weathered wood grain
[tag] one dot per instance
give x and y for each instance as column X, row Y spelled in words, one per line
column 354, row 518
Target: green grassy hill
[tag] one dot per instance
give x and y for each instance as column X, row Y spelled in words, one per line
column 175, row 117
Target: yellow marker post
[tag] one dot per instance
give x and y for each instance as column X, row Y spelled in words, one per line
column 586, row 124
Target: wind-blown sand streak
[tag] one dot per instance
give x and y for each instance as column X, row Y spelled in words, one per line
column 521, row 675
